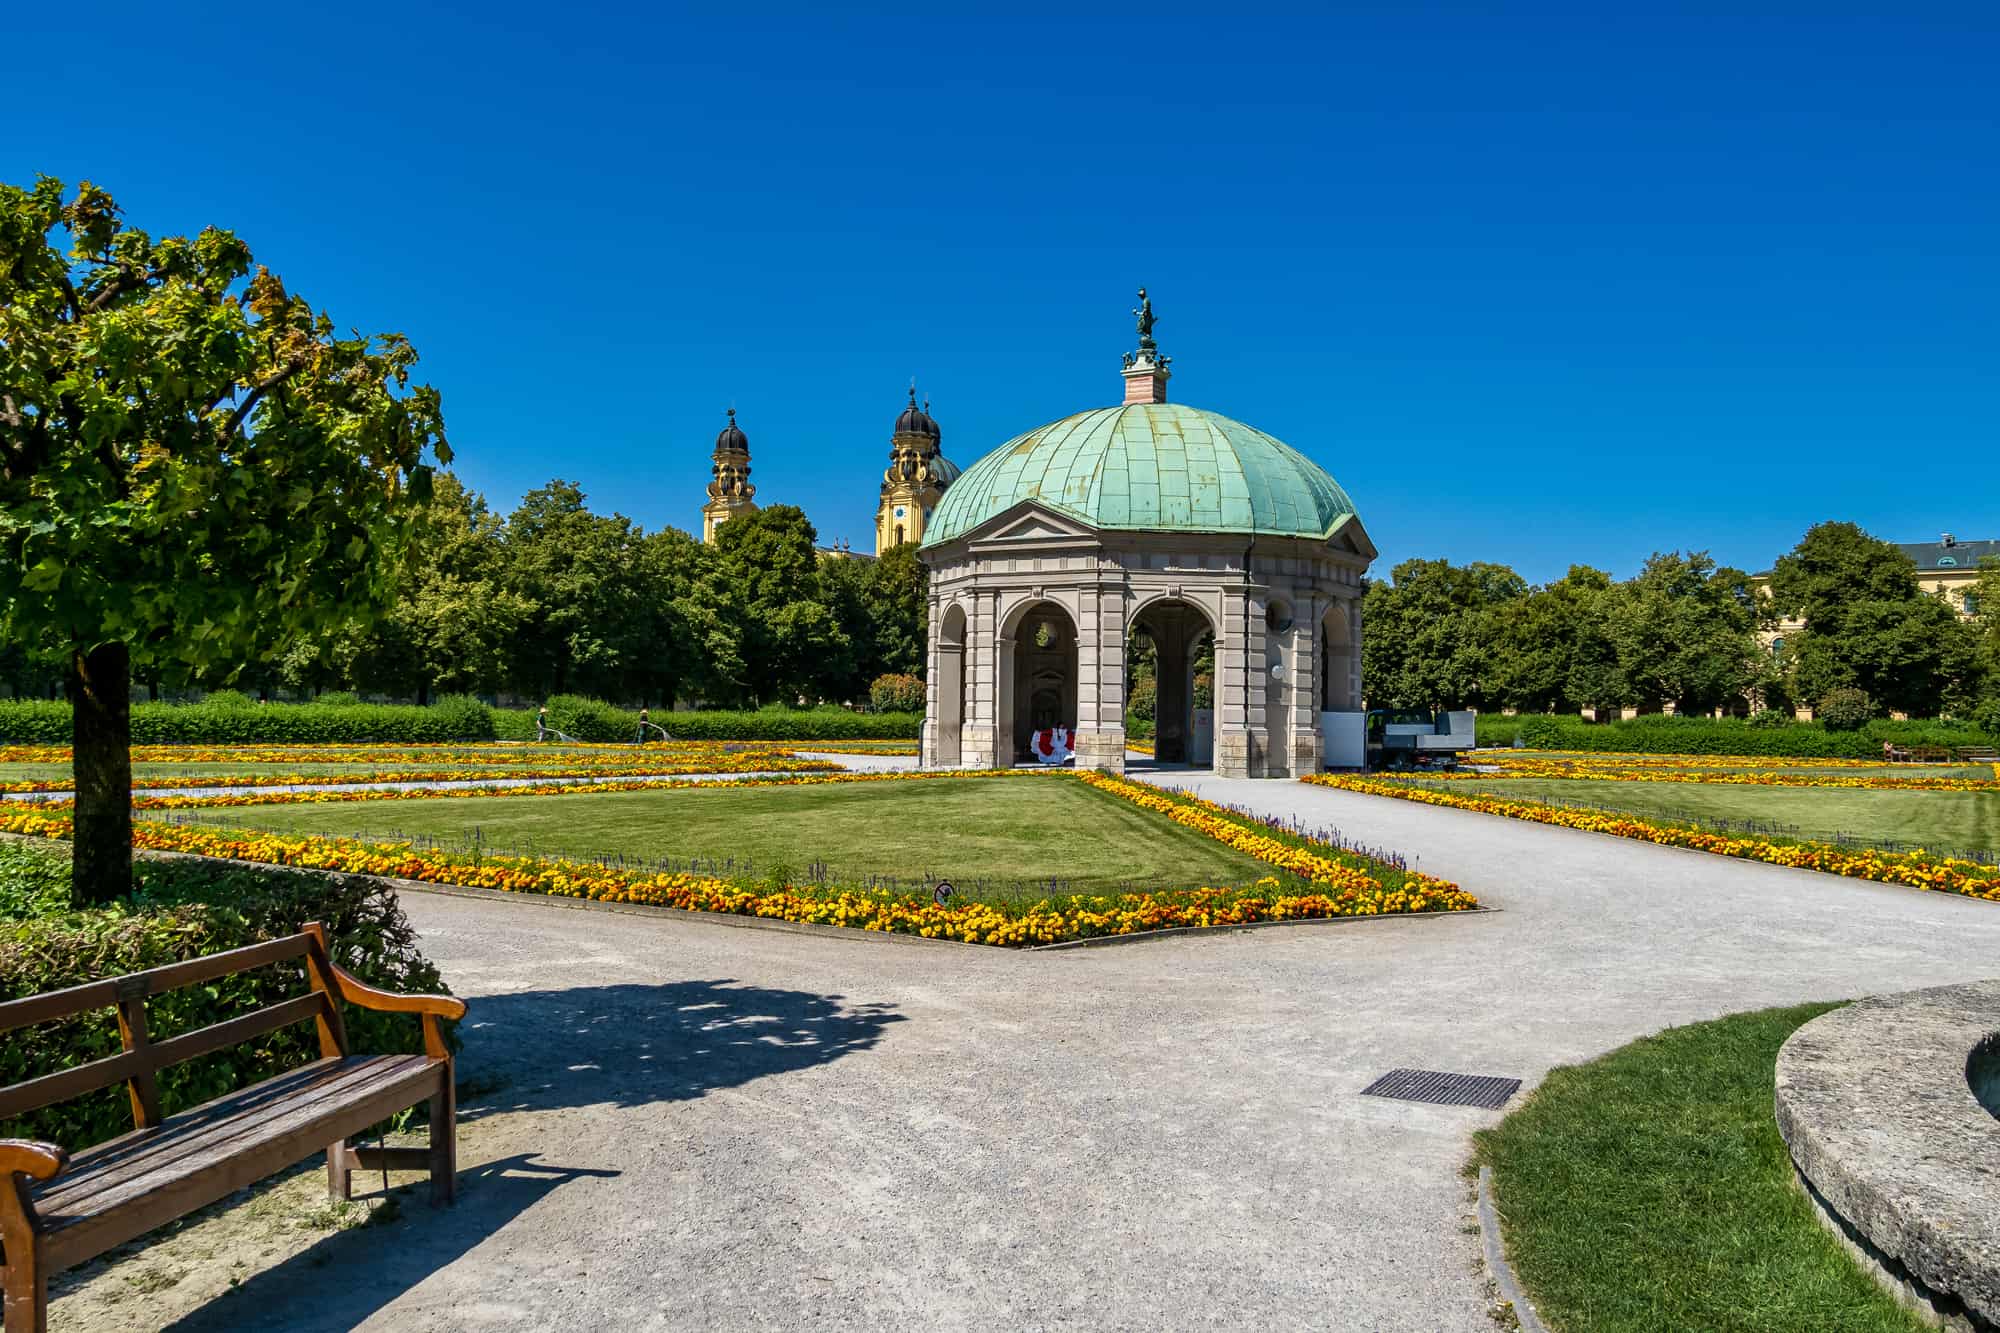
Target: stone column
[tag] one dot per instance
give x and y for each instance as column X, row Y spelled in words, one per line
column 927, row 745
column 1100, row 672
column 1233, row 704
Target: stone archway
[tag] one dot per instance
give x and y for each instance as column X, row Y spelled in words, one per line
column 1339, row 685
column 1178, row 629
column 950, row 687
column 1038, row 675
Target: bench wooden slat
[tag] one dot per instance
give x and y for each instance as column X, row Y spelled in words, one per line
column 64, row 1084
column 229, row 1031
column 138, row 1204
column 222, row 1122
column 148, row 1059
column 153, row 981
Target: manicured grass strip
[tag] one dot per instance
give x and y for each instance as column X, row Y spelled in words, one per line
column 1649, row 1190
column 1939, row 821
column 1916, row 870
column 1308, row 887
column 995, row 838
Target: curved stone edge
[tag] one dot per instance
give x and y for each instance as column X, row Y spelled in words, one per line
column 1525, row 1314
column 1898, row 1157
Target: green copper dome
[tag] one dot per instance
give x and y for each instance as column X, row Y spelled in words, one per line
column 1149, row 466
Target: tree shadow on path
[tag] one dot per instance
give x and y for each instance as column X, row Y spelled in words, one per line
column 591, row 1046
column 634, row 1045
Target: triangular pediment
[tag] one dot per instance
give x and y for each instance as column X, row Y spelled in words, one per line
column 1031, row 521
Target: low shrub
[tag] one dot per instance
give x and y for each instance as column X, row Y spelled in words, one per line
column 896, row 693
column 338, row 699
column 229, row 718
column 1540, row 731
column 1143, row 701
column 1844, row 710
column 1663, row 734
column 1770, row 717
column 34, row 879
column 602, row 722
column 181, row 909
column 1496, row 730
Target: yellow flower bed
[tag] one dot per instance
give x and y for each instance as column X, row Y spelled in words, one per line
column 754, row 762
column 1368, row 896
column 1694, row 768
column 1918, row 869
column 1339, row 888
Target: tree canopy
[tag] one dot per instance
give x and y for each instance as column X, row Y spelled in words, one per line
column 196, row 468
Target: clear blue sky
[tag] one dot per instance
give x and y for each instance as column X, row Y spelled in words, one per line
column 1551, row 285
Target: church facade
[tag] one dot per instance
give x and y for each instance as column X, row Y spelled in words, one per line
column 914, row 482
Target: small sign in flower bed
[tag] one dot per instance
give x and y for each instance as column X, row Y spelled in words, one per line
column 1915, row 869
column 1314, row 880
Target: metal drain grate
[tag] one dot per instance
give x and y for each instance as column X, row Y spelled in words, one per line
column 1428, row 1085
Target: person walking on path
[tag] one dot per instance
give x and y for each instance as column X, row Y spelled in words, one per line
column 542, row 723
column 645, row 716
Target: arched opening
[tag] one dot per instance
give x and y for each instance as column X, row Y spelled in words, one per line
column 1338, row 687
column 1172, row 650
column 950, row 685
column 1342, row 724
column 1039, row 694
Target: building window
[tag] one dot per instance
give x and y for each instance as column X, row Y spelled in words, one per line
column 899, row 534
column 1971, row 604
column 1777, row 646
column 1945, row 561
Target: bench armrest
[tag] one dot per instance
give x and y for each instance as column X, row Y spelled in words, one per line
column 356, row 991
column 30, row 1157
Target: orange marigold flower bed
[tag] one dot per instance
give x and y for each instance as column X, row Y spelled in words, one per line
column 1917, row 870
column 1334, row 887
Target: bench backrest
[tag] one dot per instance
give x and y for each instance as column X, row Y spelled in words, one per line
column 139, row 1064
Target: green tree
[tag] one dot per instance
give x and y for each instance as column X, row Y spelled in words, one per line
column 455, row 620
column 195, row 471
column 1685, row 631
column 580, row 572
column 1429, row 639
column 759, row 611
column 1870, row 626
column 1552, row 649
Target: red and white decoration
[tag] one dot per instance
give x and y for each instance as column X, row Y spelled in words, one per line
column 1052, row 745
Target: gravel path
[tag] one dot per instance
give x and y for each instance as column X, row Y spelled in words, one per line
column 696, row 1126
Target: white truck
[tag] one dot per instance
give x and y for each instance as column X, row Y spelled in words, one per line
column 1399, row 738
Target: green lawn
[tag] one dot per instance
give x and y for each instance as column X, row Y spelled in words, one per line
column 1013, row 834
column 1935, row 820
column 1649, row 1190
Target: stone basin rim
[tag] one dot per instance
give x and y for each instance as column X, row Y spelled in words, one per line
column 1886, row 1106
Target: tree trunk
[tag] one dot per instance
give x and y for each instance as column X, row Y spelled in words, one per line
column 100, row 691
column 423, row 693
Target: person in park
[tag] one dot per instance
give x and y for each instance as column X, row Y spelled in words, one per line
column 542, row 723
column 645, row 720
column 199, row 469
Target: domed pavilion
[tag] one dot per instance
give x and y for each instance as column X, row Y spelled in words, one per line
column 1050, row 552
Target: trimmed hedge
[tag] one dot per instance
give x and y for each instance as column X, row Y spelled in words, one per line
column 230, row 720
column 1661, row 734
column 593, row 720
column 181, row 909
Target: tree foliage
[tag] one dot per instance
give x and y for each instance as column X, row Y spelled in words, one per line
column 197, row 470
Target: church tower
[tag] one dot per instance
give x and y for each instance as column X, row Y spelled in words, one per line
column 916, row 479
column 730, row 492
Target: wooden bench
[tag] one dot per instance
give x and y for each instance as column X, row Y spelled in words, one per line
column 57, row 1211
column 1978, row 754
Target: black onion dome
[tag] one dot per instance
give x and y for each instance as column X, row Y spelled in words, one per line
column 916, row 421
column 732, row 436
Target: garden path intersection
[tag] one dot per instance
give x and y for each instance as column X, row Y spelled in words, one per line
column 784, row 1129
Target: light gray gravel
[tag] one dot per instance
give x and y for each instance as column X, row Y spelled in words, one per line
column 783, row 1131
